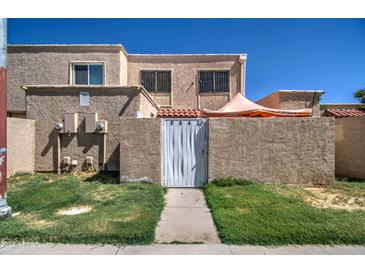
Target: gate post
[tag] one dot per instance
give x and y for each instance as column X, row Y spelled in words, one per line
column 5, row 210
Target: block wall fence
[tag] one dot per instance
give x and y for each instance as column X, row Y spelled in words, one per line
column 20, row 156
column 278, row 150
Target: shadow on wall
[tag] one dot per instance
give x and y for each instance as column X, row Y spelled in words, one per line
column 113, row 162
column 79, row 148
column 52, row 143
column 126, row 105
column 85, row 140
column 201, row 169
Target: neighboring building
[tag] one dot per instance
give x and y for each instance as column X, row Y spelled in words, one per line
column 293, row 99
column 350, row 138
column 173, row 80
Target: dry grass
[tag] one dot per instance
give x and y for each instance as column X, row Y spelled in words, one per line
column 335, row 198
column 134, row 214
column 81, row 208
column 241, row 210
column 100, row 226
column 277, row 214
column 76, row 210
column 34, row 221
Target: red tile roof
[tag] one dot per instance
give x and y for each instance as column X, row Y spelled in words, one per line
column 178, row 113
column 337, row 113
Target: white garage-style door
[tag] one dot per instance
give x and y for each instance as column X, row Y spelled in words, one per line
column 184, row 152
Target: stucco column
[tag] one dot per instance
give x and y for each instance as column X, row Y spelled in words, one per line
column 242, row 60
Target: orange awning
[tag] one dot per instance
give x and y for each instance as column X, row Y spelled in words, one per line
column 240, row 106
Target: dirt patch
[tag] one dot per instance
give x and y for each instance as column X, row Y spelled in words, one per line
column 74, row 210
column 324, row 197
column 33, row 220
column 332, row 198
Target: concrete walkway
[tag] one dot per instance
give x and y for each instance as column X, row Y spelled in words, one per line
column 186, row 218
column 173, row 249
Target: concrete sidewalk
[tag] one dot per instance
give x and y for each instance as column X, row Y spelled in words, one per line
column 176, row 249
column 186, row 218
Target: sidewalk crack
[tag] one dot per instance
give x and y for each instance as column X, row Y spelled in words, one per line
column 230, row 249
column 116, row 253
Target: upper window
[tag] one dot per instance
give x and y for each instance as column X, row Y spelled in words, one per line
column 88, row 74
column 156, row 81
column 213, row 81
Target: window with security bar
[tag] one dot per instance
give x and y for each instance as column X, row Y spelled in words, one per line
column 213, row 81
column 156, row 81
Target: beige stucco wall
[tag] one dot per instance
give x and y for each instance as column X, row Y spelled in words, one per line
column 20, row 156
column 123, row 69
column 140, row 150
column 213, row 102
column 50, row 65
column 293, row 99
column 350, row 147
column 147, row 109
column 47, row 106
column 271, row 101
column 277, row 150
column 184, row 77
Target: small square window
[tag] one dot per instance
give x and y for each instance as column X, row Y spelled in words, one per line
column 88, row 74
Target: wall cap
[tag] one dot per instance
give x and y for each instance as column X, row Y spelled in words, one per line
column 65, row 47
column 298, row 91
column 110, row 47
column 339, row 106
column 136, row 88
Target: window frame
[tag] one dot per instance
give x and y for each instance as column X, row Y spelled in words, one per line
column 228, row 71
column 86, row 63
column 156, row 84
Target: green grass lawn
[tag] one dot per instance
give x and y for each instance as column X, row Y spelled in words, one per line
column 113, row 213
column 268, row 214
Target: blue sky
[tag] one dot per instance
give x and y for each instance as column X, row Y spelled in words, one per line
column 327, row 54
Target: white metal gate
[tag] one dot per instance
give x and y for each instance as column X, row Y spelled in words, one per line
column 184, row 152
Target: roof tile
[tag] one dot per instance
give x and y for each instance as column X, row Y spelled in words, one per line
column 338, row 113
column 178, row 113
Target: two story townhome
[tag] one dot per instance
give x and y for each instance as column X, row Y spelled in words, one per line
column 181, row 81
column 81, row 85
column 84, row 101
